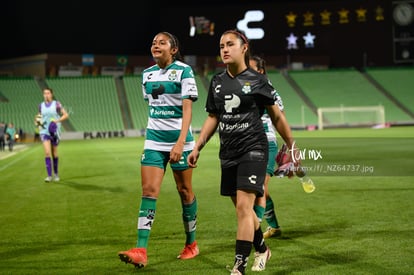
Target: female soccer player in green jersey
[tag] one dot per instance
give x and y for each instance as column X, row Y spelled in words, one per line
column 169, row 87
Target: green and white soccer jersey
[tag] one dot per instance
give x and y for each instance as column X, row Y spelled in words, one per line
column 271, row 136
column 164, row 90
column 267, row 121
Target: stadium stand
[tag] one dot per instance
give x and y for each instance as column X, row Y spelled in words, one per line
column 137, row 105
column 346, row 87
column 96, row 104
column 20, row 98
column 397, row 83
column 92, row 102
column 297, row 110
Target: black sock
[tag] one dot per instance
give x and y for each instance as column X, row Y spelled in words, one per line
column 258, row 241
column 243, row 249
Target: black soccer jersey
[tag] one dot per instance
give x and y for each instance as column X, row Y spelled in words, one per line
column 239, row 103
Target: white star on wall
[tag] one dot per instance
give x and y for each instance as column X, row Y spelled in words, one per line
column 309, row 40
column 292, row 41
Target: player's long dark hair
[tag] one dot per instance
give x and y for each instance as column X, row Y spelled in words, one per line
column 174, row 44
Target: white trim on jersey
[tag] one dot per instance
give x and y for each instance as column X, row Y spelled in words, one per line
column 189, row 87
column 164, row 124
column 166, row 147
column 270, row 129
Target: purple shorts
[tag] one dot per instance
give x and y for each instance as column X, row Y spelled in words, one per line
column 53, row 139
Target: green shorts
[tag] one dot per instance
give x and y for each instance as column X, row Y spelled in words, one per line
column 160, row 159
column 271, row 162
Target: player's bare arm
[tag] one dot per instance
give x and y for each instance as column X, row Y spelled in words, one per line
column 177, row 150
column 281, row 124
column 207, row 131
column 64, row 115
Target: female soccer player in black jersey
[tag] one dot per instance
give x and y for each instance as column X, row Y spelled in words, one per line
column 236, row 100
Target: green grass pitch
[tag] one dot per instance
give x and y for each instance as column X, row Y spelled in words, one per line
column 349, row 225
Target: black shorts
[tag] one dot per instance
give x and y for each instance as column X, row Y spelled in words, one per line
column 248, row 174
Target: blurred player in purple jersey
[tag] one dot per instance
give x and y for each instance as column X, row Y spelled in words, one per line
column 48, row 119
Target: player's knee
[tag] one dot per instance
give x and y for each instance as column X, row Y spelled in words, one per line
column 186, row 194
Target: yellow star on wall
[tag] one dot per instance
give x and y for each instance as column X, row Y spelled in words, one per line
column 291, row 19
column 325, row 17
column 379, row 14
column 343, row 16
column 361, row 15
column 308, row 19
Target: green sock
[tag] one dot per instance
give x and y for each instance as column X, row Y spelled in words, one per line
column 145, row 220
column 270, row 214
column 260, row 211
column 190, row 220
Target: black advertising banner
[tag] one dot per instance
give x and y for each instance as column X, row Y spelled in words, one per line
column 349, row 32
